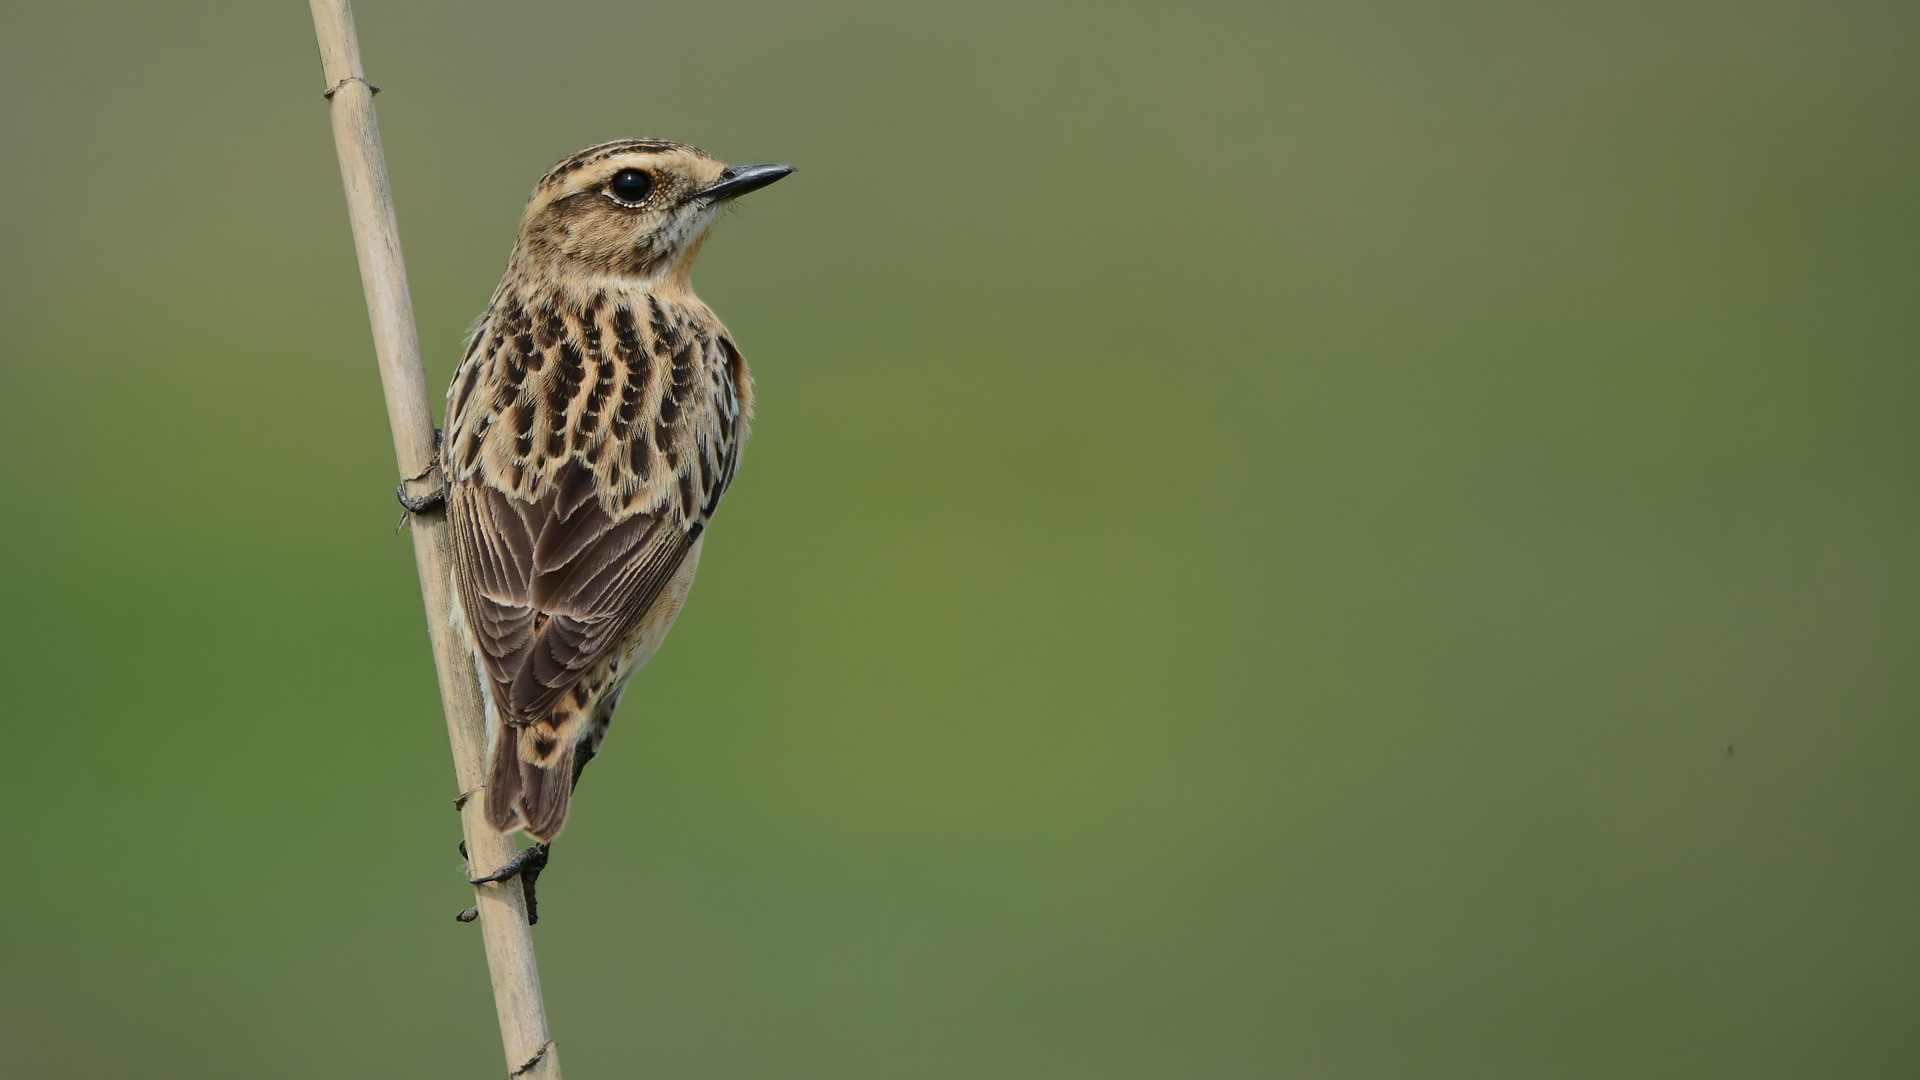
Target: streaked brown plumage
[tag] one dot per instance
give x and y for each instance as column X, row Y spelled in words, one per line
column 591, row 431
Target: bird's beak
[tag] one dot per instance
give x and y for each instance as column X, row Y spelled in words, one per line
column 737, row 180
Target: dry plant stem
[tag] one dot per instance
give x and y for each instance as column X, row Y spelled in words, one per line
column 529, row 1049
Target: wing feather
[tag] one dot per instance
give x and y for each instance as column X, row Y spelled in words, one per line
column 551, row 587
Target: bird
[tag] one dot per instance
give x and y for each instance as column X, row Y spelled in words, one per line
column 592, row 427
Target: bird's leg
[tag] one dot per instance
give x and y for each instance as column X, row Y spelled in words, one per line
column 420, row 504
column 526, row 865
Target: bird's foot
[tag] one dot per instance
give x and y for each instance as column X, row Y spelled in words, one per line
column 420, row 504
column 526, row 865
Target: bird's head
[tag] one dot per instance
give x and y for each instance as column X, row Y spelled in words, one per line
column 634, row 209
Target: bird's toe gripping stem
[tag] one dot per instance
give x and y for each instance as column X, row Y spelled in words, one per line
column 420, row 504
column 526, row 865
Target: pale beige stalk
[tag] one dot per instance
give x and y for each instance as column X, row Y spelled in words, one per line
column 530, row 1051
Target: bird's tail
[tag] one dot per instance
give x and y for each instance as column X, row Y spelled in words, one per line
column 530, row 778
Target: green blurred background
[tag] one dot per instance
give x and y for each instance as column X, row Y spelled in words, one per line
column 1336, row 540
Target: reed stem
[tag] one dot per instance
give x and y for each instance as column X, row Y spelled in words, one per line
column 530, row 1051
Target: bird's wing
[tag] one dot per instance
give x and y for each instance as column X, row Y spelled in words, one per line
column 550, row 587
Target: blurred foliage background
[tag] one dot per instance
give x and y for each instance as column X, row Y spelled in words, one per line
column 1328, row 540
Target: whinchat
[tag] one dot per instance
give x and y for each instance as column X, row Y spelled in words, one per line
column 594, row 424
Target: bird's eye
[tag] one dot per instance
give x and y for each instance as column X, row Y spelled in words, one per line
column 630, row 185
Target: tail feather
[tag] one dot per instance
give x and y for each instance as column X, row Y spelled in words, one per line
column 503, row 786
column 544, row 793
column 530, row 780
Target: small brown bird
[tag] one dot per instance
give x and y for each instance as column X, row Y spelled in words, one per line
column 591, row 430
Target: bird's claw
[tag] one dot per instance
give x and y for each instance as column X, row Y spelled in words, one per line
column 526, row 865
column 420, row 504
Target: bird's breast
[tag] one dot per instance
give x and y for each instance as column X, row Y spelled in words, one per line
column 647, row 391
